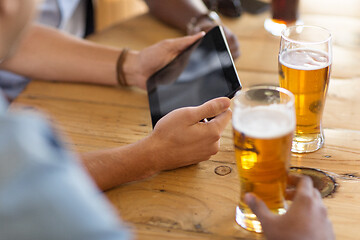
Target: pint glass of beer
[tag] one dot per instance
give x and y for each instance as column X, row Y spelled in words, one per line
column 304, row 69
column 284, row 13
column 263, row 125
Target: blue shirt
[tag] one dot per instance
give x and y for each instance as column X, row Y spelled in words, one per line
column 45, row 194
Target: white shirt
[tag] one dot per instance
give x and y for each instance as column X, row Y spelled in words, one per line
column 66, row 15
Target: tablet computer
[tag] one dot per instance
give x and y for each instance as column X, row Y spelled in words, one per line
column 203, row 71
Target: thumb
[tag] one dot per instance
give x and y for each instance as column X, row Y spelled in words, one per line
column 209, row 109
column 258, row 207
column 181, row 43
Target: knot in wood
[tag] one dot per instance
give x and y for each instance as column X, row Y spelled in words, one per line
column 222, row 170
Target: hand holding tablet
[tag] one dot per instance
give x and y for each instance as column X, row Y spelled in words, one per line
column 202, row 72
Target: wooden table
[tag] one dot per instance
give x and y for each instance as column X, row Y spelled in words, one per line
column 194, row 202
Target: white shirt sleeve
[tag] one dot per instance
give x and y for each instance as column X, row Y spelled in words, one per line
column 66, row 15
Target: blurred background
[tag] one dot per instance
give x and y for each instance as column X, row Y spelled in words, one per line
column 109, row 12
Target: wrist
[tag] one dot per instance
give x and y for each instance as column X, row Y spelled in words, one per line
column 120, row 74
column 127, row 69
column 200, row 22
column 153, row 151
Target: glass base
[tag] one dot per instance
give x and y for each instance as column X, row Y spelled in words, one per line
column 306, row 144
column 276, row 28
column 246, row 219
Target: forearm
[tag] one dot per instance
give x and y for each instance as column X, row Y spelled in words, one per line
column 177, row 13
column 112, row 167
column 179, row 139
column 51, row 55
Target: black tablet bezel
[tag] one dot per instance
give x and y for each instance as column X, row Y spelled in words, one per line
column 229, row 71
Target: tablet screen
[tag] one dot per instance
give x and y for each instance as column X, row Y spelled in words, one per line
column 202, row 72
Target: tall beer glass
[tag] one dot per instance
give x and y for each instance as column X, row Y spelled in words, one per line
column 284, row 13
column 304, row 69
column 263, row 125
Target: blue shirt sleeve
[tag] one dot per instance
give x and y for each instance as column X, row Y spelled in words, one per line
column 44, row 192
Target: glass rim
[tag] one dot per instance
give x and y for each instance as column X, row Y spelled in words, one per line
column 327, row 39
column 266, row 87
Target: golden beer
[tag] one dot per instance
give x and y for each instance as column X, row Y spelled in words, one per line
column 306, row 73
column 262, row 140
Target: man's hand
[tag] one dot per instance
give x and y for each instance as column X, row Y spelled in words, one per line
column 206, row 25
column 139, row 66
column 180, row 138
column 306, row 219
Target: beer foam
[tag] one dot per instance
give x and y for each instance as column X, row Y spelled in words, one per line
column 264, row 122
column 304, row 59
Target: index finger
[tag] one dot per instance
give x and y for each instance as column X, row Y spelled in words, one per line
column 293, row 179
column 305, row 186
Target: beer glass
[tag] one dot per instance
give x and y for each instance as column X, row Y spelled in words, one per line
column 304, row 69
column 284, row 13
column 263, row 125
